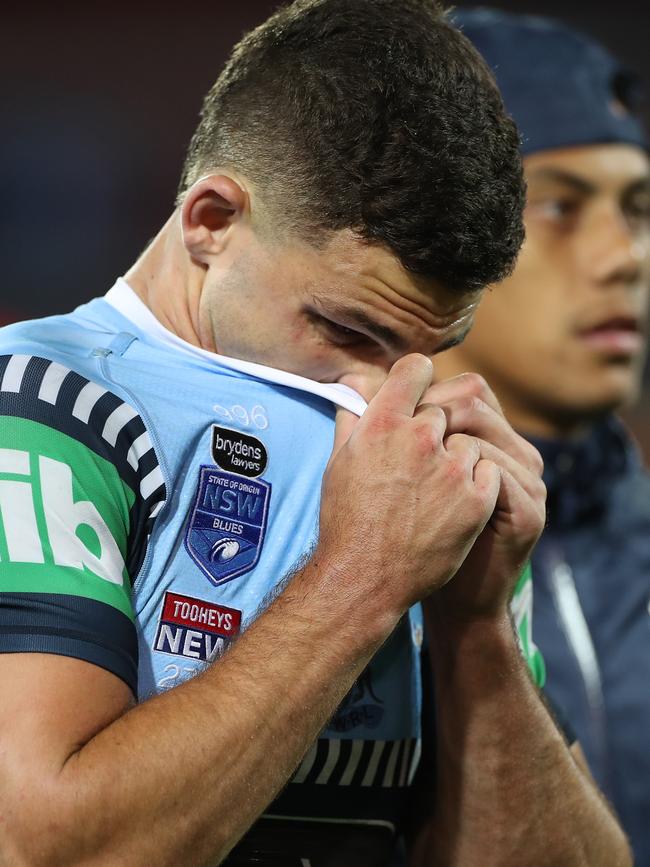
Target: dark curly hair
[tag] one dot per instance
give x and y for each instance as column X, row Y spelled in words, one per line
column 376, row 116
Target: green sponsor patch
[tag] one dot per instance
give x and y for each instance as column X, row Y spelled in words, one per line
column 64, row 517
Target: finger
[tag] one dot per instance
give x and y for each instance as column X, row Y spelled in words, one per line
column 407, row 381
column 467, row 385
column 521, row 507
column 432, row 422
column 465, row 449
column 529, row 481
column 487, row 479
column 472, row 416
column 518, row 510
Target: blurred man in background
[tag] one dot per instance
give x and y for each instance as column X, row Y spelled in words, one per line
column 562, row 342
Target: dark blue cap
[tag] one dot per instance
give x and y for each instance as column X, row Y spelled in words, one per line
column 562, row 88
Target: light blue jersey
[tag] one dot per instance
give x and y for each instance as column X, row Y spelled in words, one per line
column 153, row 497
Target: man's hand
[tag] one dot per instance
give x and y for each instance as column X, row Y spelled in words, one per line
column 403, row 500
column 484, row 583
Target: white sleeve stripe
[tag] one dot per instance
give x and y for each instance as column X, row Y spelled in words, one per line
column 52, row 382
column 86, row 400
column 140, row 447
column 353, row 763
column 156, row 509
column 306, row 765
column 371, row 770
column 389, row 774
column 415, row 760
column 14, row 372
column 334, row 748
column 151, row 483
column 116, row 421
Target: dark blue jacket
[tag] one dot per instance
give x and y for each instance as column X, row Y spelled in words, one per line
column 592, row 616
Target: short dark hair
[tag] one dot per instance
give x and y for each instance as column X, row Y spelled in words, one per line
column 376, row 116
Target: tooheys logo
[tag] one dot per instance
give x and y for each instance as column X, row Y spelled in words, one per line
column 194, row 628
column 19, row 502
column 238, row 452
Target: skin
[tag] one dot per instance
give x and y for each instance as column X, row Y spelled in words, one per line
column 83, row 773
column 586, row 261
column 283, row 303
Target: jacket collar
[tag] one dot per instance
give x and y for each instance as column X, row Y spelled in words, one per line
column 579, row 474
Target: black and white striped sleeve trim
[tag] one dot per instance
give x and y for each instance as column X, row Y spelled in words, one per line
column 52, row 394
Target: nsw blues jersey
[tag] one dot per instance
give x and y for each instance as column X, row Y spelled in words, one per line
column 153, row 495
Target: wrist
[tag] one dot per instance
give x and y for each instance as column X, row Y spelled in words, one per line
column 343, row 598
column 479, row 647
column 456, row 621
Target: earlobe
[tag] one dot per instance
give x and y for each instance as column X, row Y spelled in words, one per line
column 210, row 210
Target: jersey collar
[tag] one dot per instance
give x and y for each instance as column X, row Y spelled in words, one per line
column 123, row 299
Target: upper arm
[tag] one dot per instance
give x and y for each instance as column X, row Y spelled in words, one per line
column 51, row 705
column 78, row 482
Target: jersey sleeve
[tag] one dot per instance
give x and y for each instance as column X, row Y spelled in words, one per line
column 80, row 486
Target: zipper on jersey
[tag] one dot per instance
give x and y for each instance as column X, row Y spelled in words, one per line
column 576, row 630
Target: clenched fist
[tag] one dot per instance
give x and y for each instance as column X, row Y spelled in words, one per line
column 405, row 496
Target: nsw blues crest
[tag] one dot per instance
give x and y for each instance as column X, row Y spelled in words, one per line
column 226, row 528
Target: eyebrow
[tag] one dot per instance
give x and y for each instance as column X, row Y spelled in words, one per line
column 383, row 332
column 580, row 184
column 351, row 315
column 453, row 341
column 562, row 177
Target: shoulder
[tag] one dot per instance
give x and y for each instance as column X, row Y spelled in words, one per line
column 43, row 400
column 80, row 487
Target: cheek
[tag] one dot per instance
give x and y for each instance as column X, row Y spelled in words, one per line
column 537, row 303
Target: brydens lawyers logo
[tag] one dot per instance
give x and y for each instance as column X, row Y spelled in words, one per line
column 238, row 452
column 195, row 628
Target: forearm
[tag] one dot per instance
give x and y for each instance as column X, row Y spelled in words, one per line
column 180, row 778
column 508, row 789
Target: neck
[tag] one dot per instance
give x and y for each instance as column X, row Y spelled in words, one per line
column 526, row 417
column 170, row 283
column 535, row 423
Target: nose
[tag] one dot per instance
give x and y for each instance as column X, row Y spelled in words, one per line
column 614, row 252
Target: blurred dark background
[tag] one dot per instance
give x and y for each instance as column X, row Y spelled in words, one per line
column 98, row 103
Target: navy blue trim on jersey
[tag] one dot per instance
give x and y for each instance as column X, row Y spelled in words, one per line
column 26, row 403
column 70, row 625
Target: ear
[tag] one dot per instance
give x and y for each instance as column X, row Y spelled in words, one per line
column 212, row 208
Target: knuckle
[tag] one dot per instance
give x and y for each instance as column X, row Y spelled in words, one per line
column 536, row 461
column 475, row 384
column 428, row 429
column 472, row 405
column 530, row 455
column 383, row 421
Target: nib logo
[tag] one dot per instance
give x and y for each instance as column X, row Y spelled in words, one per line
column 27, row 541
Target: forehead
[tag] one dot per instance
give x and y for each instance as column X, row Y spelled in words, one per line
column 372, row 273
column 616, row 166
column 364, row 286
